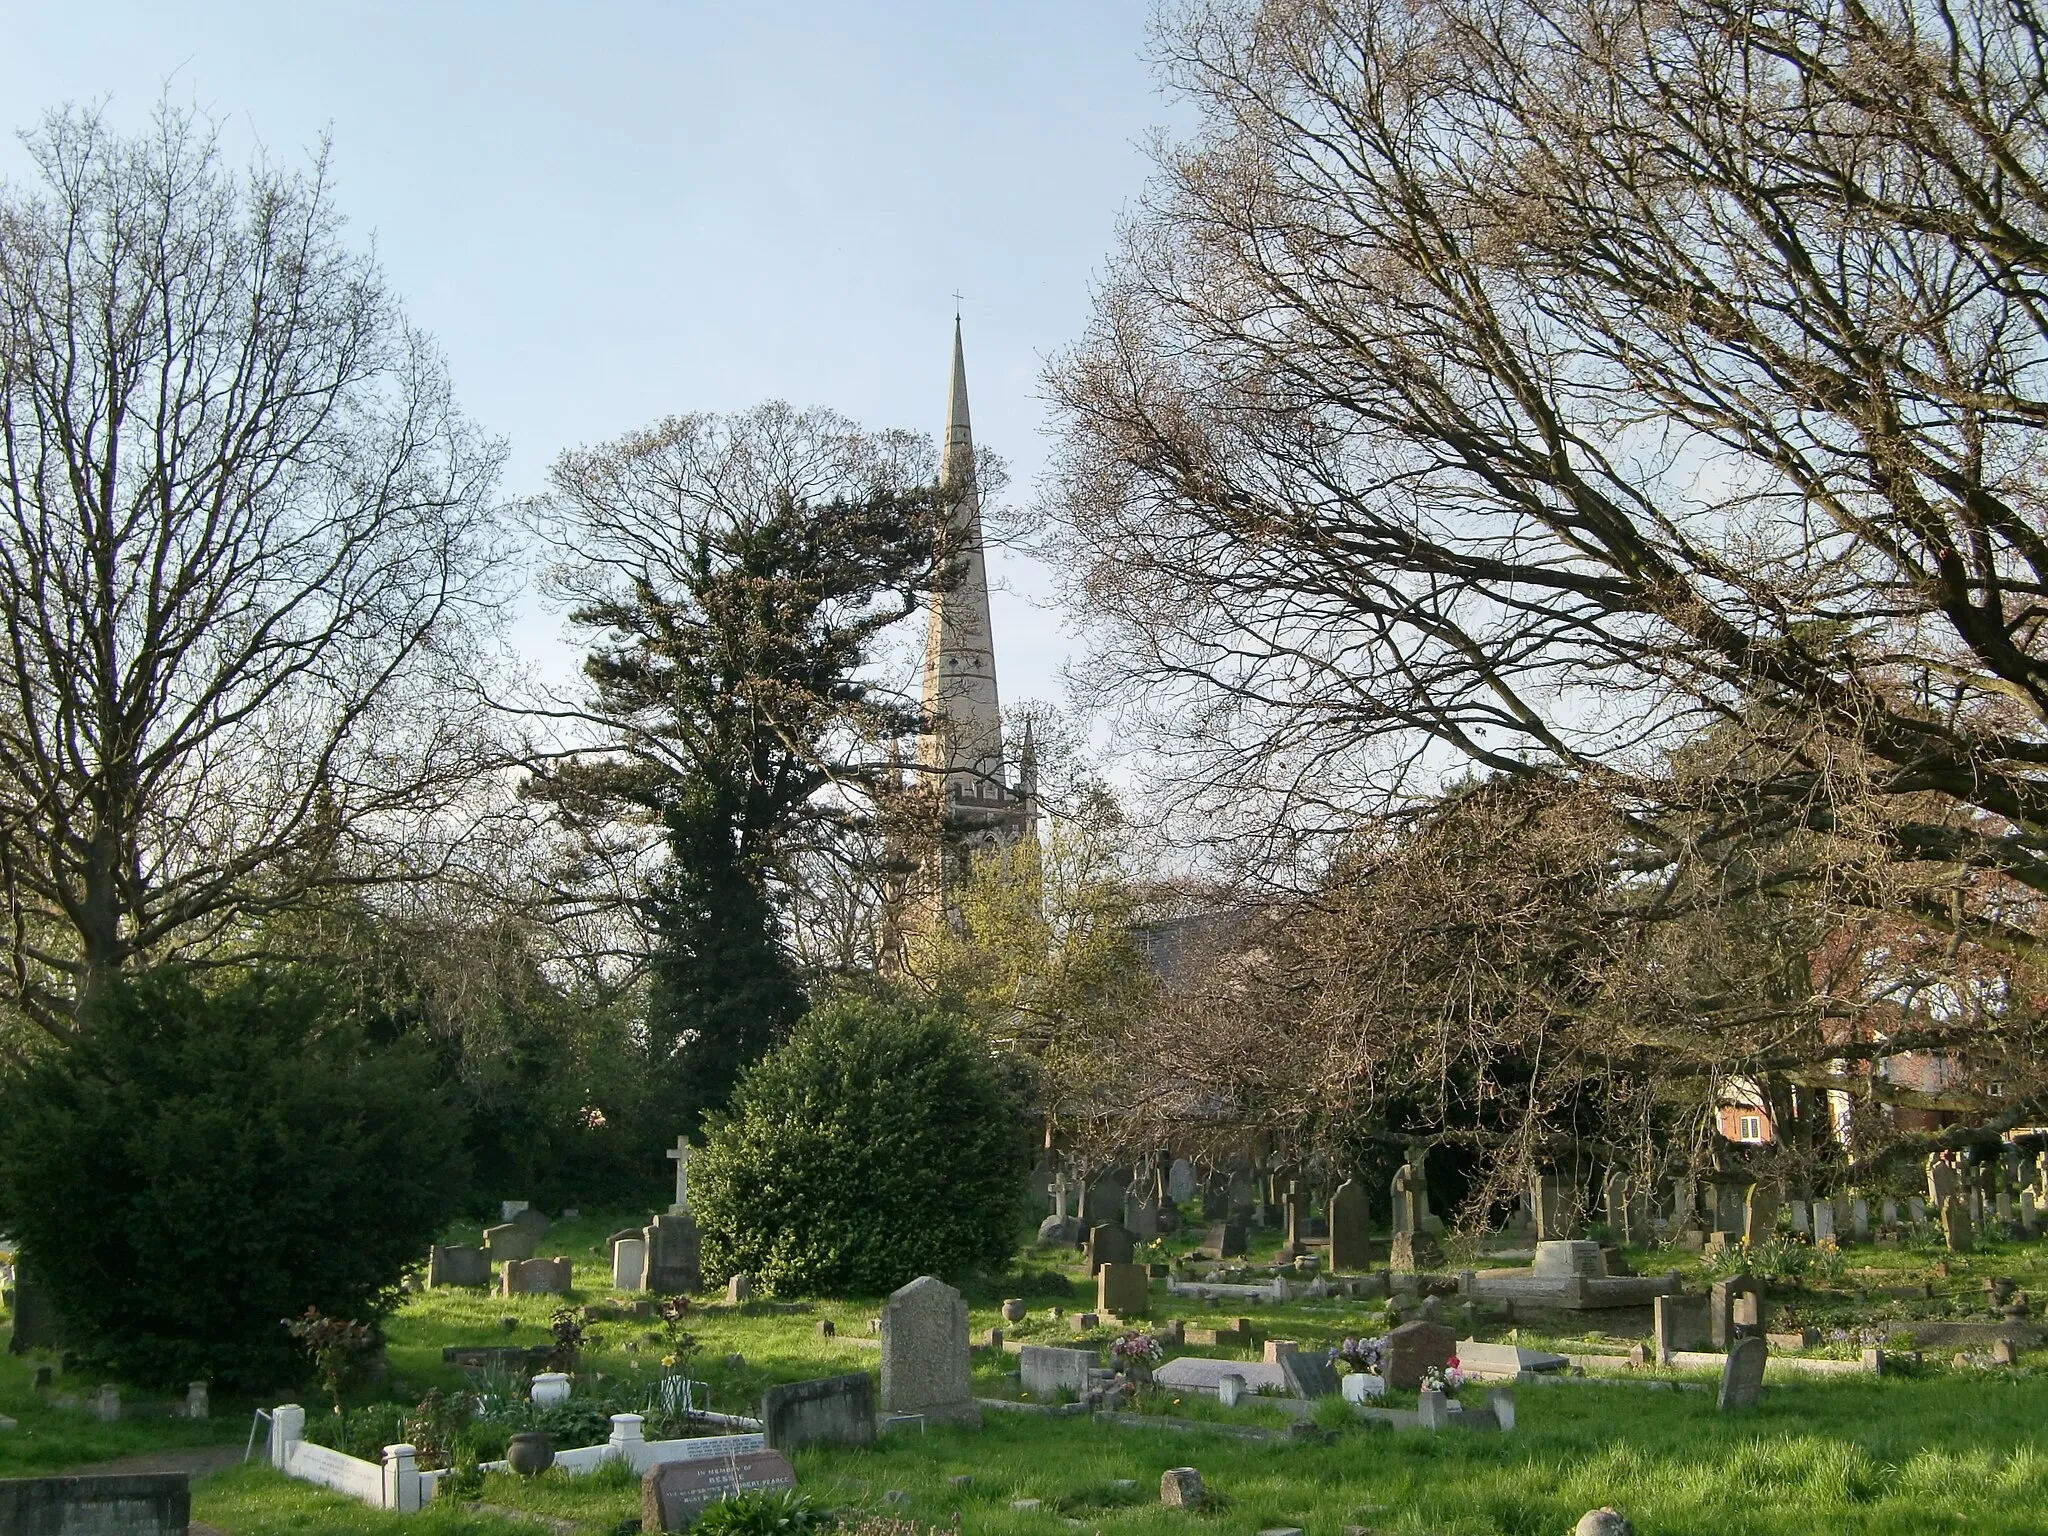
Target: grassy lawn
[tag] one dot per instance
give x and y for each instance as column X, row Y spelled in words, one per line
column 1944, row 1449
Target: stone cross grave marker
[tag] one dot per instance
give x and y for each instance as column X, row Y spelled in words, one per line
column 679, row 1154
column 1742, row 1378
column 925, row 1359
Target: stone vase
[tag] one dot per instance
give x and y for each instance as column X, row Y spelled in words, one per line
column 531, row 1453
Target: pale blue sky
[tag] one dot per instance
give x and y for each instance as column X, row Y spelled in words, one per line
column 608, row 212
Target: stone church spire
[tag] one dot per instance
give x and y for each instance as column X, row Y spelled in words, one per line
column 962, row 741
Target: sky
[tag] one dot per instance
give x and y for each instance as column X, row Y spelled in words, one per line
column 606, row 213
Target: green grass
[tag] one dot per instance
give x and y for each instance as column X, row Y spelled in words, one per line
column 1946, row 1450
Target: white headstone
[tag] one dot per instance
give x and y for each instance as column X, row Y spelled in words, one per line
column 1230, row 1389
column 629, row 1263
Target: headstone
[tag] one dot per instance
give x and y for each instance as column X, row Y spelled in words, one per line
column 629, row 1263
column 1957, row 1231
column 1802, row 1223
column 1680, row 1323
column 1823, row 1221
column 36, row 1324
column 1309, row 1375
column 1049, row 1373
column 1226, row 1240
column 507, row 1209
column 531, row 1220
column 832, row 1410
column 1141, row 1214
column 1859, row 1219
column 1293, row 1213
column 1742, row 1378
column 2030, row 1212
column 1109, row 1243
column 1415, row 1253
column 739, row 1289
column 535, row 1277
column 1350, row 1229
column 1730, row 1205
column 1411, row 1349
column 457, row 1264
column 1122, row 1290
column 1734, row 1304
column 1432, row 1408
column 1916, row 1210
column 1180, row 1181
column 674, row 1493
column 1181, row 1488
column 145, row 1504
column 680, row 1154
column 1760, row 1213
column 1230, row 1389
column 672, row 1256
column 1546, row 1207
column 925, row 1359
column 508, row 1242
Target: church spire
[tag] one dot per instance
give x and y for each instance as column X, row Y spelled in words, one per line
column 963, row 734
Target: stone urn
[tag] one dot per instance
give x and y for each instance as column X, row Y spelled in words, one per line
column 531, row 1453
column 550, row 1387
column 1013, row 1310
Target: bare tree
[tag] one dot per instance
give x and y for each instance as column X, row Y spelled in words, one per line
column 245, row 542
column 1503, row 383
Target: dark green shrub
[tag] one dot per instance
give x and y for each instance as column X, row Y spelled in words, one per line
column 880, row 1143
column 201, row 1165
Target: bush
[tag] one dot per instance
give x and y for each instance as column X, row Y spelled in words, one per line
column 878, row 1144
column 203, row 1164
column 762, row 1514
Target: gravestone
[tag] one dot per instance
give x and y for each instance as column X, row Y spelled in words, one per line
column 1060, row 1228
column 1230, row 1389
column 1734, row 1305
column 1628, row 1213
column 925, row 1360
column 535, row 1277
column 1859, row 1219
column 1109, row 1243
column 1415, row 1253
column 1180, row 1181
column 1350, row 1229
column 1408, row 1198
column 832, row 1410
column 1293, row 1207
column 1802, row 1223
column 629, row 1263
column 1944, row 1179
column 2030, row 1212
column 680, row 1155
column 1730, row 1205
column 1181, row 1488
column 458, row 1264
column 146, row 1504
column 1048, row 1373
column 1309, row 1375
column 1742, row 1378
column 1680, row 1323
column 531, row 1220
column 1760, row 1213
column 674, row 1493
column 1548, row 1199
column 739, row 1290
column 1916, row 1210
column 509, row 1241
column 1823, row 1221
column 1122, row 1290
column 1141, row 1214
column 1957, row 1230
column 1560, row 1260
column 672, row 1256
column 1226, row 1240
column 1411, row 1349
column 1888, row 1212
column 36, row 1324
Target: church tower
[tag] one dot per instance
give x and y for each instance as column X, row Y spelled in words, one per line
column 960, row 748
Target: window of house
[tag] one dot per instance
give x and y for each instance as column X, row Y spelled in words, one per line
column 1749, row 1128
column 1994, row 1090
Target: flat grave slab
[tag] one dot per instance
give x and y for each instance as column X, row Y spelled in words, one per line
column 1200, row 1373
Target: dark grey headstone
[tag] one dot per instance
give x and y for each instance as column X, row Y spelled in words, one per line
column 36, row 1324
column 457, row 1264
column 1109, row 1243
column 672, row 1262
column 153, row 1504
column 1309, row 1375
column 674, row 1493
column 1742, row 1378
column 832, row 1410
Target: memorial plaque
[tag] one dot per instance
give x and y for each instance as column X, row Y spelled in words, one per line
column 674, row 1493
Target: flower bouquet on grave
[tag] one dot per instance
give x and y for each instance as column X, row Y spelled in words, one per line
column 1362, row 1355
column 1135, row 1353
column 1445, row 1378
